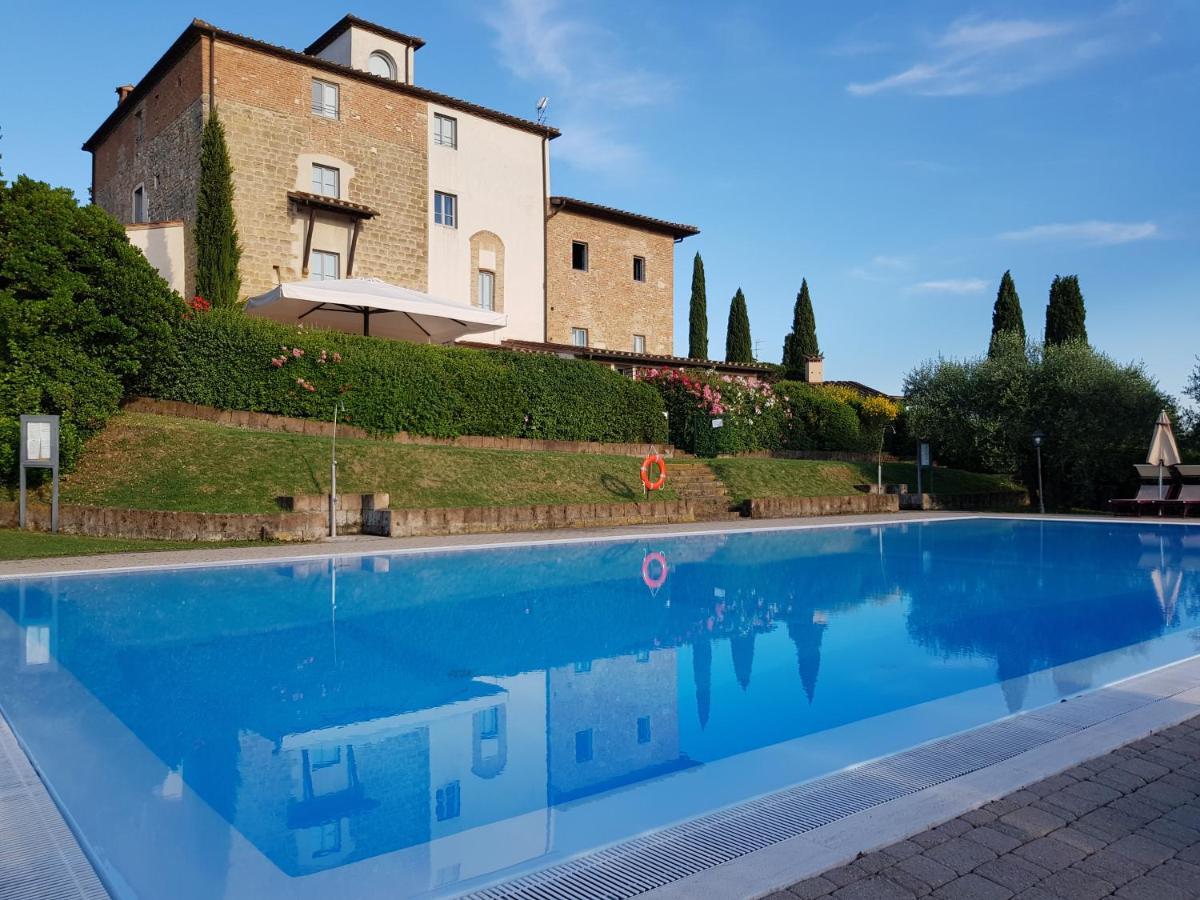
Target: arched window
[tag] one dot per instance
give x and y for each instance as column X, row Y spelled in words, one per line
column 379, row 63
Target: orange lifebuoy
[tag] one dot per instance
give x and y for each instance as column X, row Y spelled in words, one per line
column 656, row 581
column 654, row 459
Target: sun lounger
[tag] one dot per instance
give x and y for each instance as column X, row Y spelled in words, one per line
column 1185, row 503
column 1147, row 496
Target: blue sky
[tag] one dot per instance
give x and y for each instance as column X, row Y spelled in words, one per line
column 900, row 155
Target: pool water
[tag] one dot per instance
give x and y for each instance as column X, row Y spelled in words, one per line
column 400, row 724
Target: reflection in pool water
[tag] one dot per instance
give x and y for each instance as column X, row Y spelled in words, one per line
column 435, row 719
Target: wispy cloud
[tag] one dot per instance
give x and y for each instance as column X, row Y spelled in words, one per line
column 997, row 56
column 1092, row 231
column 951, row 286
column 581, row 66
column 881, row 268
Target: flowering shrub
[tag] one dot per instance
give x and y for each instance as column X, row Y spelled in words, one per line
column 750, row 413
column 196, row 305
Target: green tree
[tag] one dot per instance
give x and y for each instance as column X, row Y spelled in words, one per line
column 801, row 343
column 1065, row 313
column 1006, row 314
column 217, row 250
column 738, row 348
column 698, row 313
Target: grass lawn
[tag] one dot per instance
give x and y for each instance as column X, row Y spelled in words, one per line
column 17, row 544
column 750, row 477
column 158, row 462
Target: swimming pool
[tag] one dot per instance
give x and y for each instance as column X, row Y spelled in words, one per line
column 433, row 722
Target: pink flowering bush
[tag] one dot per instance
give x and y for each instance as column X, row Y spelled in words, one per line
column 750, row 413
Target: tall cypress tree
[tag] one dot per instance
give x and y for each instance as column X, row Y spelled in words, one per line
column 738, row 348
column 801, row 342
column 1065, row 313
column 1006, row 314
column 217, row 250
column 698, row 313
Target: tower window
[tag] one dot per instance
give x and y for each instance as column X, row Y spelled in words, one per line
column 579, row 256
column 379, row 63
column 639, row 268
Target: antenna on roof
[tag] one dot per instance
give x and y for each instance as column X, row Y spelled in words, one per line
column 541, row 110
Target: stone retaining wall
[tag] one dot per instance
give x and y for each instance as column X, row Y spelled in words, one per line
column 823, row 455
column 257, row 421
column 789, row 507
column 485, row 520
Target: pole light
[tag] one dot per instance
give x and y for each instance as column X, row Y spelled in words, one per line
column 1038, row 437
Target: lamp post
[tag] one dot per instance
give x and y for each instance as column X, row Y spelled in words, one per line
column 340, row 406
column 1038, row 437
column 879, row 457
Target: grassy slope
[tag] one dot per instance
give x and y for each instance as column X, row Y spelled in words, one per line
column 16, row 544
column 157, row 462
column 749, row 477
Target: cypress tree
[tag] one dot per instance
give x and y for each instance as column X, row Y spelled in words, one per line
column 1065, row 313
column 698, row 313
column 801, row 342
column 217, row 250
column 1006, row 314
column 738, row 348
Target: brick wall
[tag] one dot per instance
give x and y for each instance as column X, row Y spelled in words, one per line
column 265, row 103
column 165, row 159
column 605, row 299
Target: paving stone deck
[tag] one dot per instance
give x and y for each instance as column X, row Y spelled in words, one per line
column 1126, row 825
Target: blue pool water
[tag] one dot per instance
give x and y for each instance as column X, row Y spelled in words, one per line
column 407, row 723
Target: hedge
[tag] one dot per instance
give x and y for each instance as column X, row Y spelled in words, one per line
column 231, row 361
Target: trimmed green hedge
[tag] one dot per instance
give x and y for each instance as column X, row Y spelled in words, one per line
column 231, row 361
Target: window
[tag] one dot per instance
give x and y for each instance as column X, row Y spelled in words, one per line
column 139, row 124
column 139, row 203
column 489, row 722
column 379, row 63
column 329, row 839
column 583, row 746
column 324, row 757
column 487, row 290
column 639, row 268
column 323, row 265
column 583, row 667
column 445, row 209
column 643, row 656
column 445, row 130
column 639, row 343
column 643, row 730
column 579, row 256
column 579, row 337
column 324, row 99
column 326, row 181
column 448, row 801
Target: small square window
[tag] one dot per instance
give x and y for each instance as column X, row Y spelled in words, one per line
column 139, row 204
column 324, row 99
column 324, row 757
column 639, row 268
column 323, row 265
column 579, row 256
column 643, row 656
column 445, row 131
column 445, row 209
column 583, row 667
column 326, row 181
column 643, row 730
column 448, row 801
column 639, row 343
column 583, row 746
column 579, row 337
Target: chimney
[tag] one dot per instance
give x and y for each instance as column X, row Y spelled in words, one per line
column 814, row 369
column 122, row 92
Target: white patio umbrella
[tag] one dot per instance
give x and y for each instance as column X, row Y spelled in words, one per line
column 374, row 307
column 1163, row 450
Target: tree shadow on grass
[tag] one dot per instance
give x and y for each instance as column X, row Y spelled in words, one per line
column 617, row 487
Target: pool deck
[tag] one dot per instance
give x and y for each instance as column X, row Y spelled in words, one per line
column 1070, row 824
column 1125, row 824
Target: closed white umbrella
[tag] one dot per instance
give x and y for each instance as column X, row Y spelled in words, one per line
column 374, row 307
column 1164, row 451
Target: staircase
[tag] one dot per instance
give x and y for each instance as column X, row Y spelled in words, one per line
column 695, row 481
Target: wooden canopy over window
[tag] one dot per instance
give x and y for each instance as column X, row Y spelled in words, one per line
column 314, row 203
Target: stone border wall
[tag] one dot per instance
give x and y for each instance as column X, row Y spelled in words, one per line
column 822, row 455
column 257, row 421
column 985, row 502
column 795, row 507
column 492, row 519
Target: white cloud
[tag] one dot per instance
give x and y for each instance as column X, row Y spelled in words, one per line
column 951, row 286
column 881, row 268
column 1092, row 231
column 996, row 56
column 584, row 69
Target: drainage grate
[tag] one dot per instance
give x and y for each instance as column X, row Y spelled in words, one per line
column 39, row 856
column 660, row 858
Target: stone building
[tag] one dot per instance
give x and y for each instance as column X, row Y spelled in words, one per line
column 345, row 167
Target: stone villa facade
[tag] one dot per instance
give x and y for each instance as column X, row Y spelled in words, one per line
column 344, row 167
